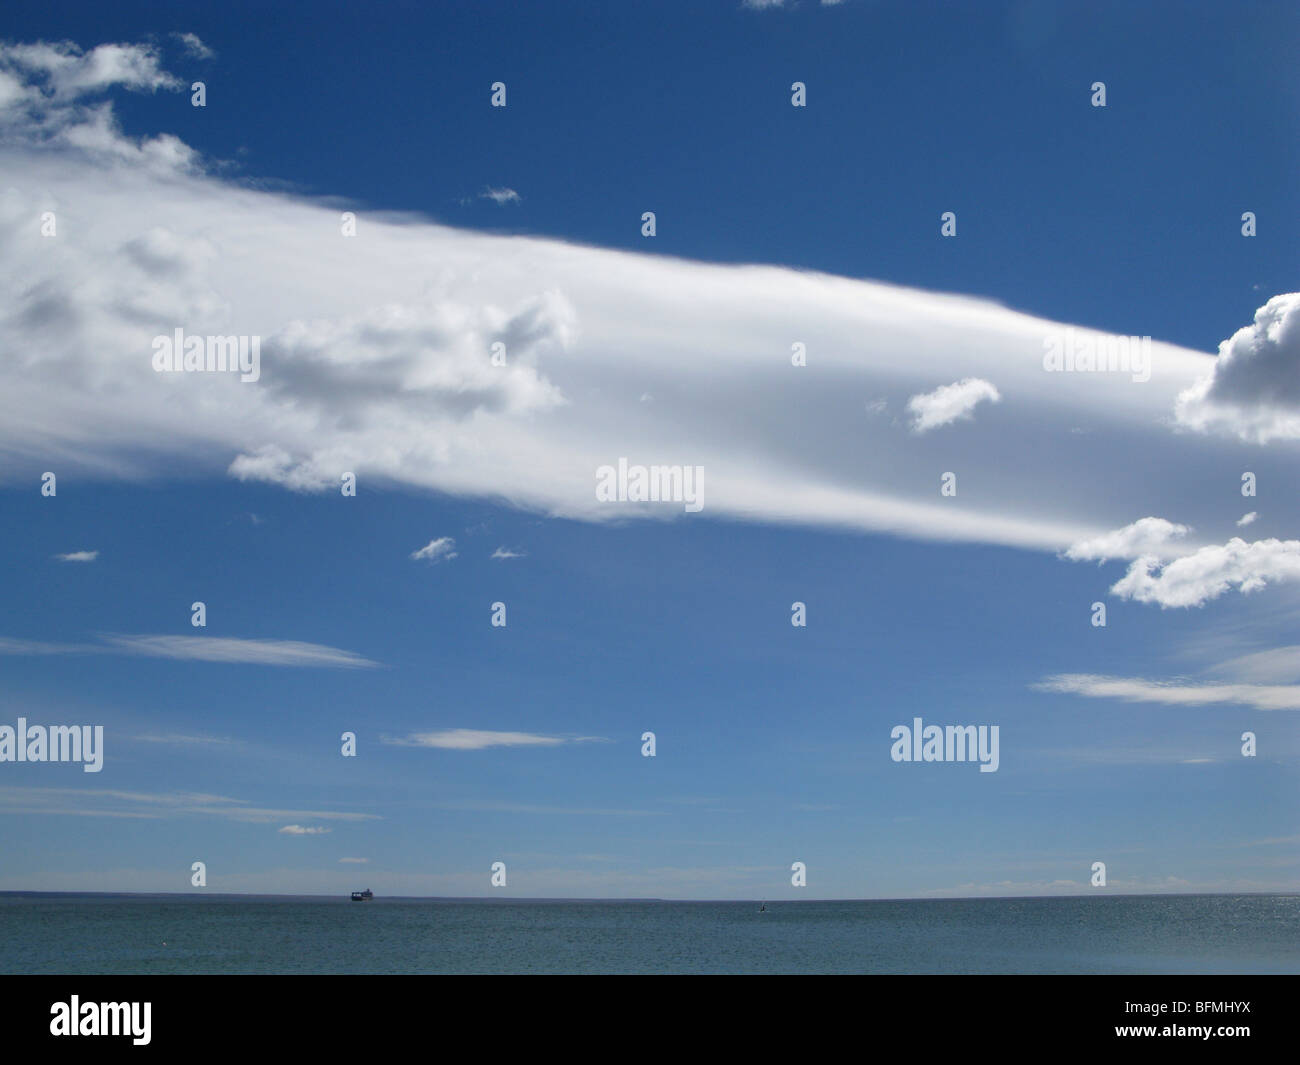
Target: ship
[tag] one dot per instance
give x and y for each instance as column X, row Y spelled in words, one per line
column 363, row 896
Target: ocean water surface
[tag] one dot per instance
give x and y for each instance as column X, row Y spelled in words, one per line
column 143, row 934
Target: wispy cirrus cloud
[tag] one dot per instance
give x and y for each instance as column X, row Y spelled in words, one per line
column 178, row 739
column 1173, row 693
column 78, row 556
column 303, row 830
column 498, row 806
column 201, row 649
column 164, row 798
column 1277, row 664
column 465, row 739
column 109, row 802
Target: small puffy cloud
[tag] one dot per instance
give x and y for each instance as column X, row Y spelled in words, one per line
column 194, row 47
column 465, row 739
column 78, row 556
column 1146, row 536
column 949, row 403
column 503, row 552
column 1253, row 392
column 1247, row 519
column 1209, row 572
column 442, row 549
column 1141, row 690
column 500, row 197
column 303, row 830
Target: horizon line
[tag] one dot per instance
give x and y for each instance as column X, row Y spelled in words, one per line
column 641, row 898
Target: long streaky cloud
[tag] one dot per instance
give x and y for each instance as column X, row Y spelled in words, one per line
column 480, row 365
column 17, row 799
column 201, row 649
column 466, row 739
column 1173, row 693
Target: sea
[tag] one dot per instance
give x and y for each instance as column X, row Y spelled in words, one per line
column 157, row 934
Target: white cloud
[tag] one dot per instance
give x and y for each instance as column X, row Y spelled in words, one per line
column 44, row 99
column 442, row 549
column 1139, row 690
column 200, row 649
column 164, row 798
column 1210, row 571
column 64, row 71
column 500, row 197
column 464, row 739
column 302, row 830
column 1146, row 536
column 354, row 861
column 498, row 806
column 14, row 800
column 78, row 556
column 1275, row 664
column 194, row 47
column 1248, row 519
column 230, row 649
column 949, row 403
column 1253, row 391
column 503, row 552
column 258, row 815
column 376, row 360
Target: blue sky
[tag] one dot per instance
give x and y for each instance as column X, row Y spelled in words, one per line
column 773, row 742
